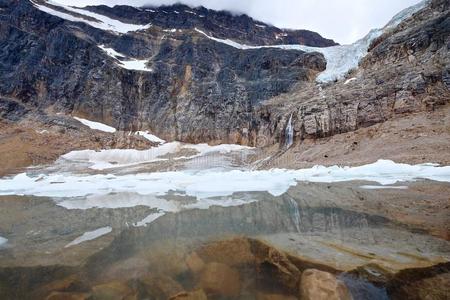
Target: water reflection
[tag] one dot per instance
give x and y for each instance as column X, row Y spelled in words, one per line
column 266, row 243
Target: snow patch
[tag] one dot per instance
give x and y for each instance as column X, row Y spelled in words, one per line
column 152, row 138
column 93, row 19
column 126, row 62
column 113, row 158
column 90, row 235
column 96, row 125
column 349, row 80
column 3, row 241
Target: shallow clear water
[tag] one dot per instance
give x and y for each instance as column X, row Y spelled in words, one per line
column 155, row 245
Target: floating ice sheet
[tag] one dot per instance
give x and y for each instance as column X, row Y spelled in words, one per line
column 213, row 183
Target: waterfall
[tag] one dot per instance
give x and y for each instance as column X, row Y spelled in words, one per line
column 289, row 133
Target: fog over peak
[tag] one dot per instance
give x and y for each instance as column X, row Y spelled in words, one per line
column 345, row 21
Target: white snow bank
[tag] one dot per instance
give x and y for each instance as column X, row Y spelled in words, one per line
column 90, row 235
column 213, row 183
column 100, row 21
column 340, row 59
column 3, row 241
column 114, row 158
column 152, row 138
column 127, row 62
column 96, row 125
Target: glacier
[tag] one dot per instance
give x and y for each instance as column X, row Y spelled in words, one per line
column 342, row 58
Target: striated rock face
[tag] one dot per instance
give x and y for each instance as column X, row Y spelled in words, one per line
column 192, row 82
column 405, row 71
column 221, row 23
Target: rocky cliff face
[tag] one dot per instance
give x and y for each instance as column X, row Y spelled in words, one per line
column 191, row 81
column 222, row 24
column 180, row 72
column 405, row 71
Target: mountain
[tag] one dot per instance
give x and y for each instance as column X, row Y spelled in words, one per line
column 50, row 61
column 197, row 75
column 221, row 24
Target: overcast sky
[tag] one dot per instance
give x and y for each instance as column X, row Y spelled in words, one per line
column 345, row 21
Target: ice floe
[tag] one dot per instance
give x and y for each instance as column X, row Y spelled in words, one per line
column 84, row 16
column 90, row 235
column 96, row 125
column 213, row 183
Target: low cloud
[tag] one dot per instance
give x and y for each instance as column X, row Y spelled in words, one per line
column 345, row 21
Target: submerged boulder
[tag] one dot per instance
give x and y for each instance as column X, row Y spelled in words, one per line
column 221, row 280
column 318, row 285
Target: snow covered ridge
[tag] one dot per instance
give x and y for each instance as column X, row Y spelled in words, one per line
column 93, row 19
column 206, row 184
column 340, row 59
column 125, row 62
